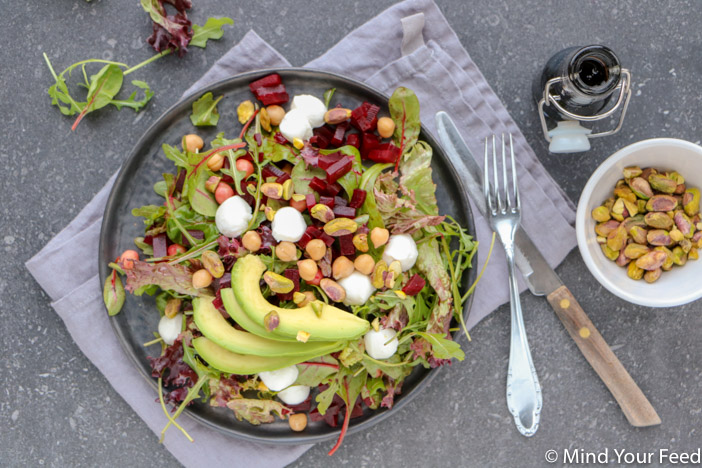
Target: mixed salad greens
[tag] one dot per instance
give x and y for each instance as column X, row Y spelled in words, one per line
column 301, row 268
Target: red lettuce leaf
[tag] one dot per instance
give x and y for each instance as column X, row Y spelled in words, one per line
column 168, row 277
column 169, row 31
column 257, row 411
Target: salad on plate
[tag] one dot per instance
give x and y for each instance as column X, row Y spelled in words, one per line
column 300, row 266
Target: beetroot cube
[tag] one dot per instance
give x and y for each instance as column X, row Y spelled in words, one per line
column 346, row 246
column 339, row 132
column 369, row 141
column 310, row 200
column 340, row 201
column 312, row 232
column 365, row 117
column 414, row 285
column 333, row 189
column 326, row 238
column 271, row 170
column 292, row 274
column 318, row 185
column 385, row 153
column 279, row 138
column 267, row 81
column 329, row 201
column 283, row 177
column 358, row 198
column 344, row 212
column 326, row 160
column 160, row 245
column 319, row 141
column 354, row 140
column 339, row 169
column 322, row 136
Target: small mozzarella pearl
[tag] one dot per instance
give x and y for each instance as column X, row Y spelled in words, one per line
column 401, row 247
column 233, row 216
column 312, row 107
column 279, row 379
column 288, row 225
column 295, row 125
column 375, row 343
column 295, row 394
column 358, row 288
column 169, row 328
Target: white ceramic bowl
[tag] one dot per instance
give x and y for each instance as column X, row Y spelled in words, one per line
column 678, row 286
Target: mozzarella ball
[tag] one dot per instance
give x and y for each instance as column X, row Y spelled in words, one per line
column 358, row 288
column 295, row 394
column 375, row 343
column 312, row 107
column 233, row 216
column 401, row 247
column 295, row 125
column 279, row 379
column 169, row 328
column 288, row 225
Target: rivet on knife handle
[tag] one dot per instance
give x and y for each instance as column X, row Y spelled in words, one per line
column 634, row 404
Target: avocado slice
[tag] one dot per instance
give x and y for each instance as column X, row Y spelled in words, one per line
column 217, row 329
column 331, row 324
column 241, row 364
column 237, row 313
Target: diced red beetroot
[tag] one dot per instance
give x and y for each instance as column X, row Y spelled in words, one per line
column 358, row 198
column 337, row 170
column 326, row 238
column 318, row 185
column 333, row 189
column 322, row 136
column 326, row 160
column 283, row 177
column 279, row 138
column 344, row 212
column 329, row 201
column 271, row 170
column 294, row 275
column 272, row 95
column 319, row 141
column 365, row 117
column 346, row 246
column 310, row 200
column 312, row 232
column 414, row 285
column 160, row 244
column 369, row 141
column 149, row 240
column 199, row 235
column 217, row 302
column 339, row 132
column 340, row 201
column 354, row 140
column 384, row 153
column 267, row 81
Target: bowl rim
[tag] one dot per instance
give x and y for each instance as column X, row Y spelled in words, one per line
column 582, row 213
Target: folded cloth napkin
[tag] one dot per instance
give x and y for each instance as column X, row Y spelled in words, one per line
column 410, row 44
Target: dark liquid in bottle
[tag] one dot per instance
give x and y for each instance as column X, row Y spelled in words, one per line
column 593, row 72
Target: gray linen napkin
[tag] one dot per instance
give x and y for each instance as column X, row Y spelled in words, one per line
column 409, row 44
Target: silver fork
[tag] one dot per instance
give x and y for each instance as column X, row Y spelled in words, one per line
column 504, row 213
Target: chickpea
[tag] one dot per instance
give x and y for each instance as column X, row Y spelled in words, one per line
column 215, row 162
column 316, row 248
column 386, row 127
column 193, row 143
column 298, row 422
column 286, row 251
column 308, row 269
column 342, row 268
column 127, row 258
column 201, row 279
column 379, row 236
column 251, row 241
column 364, row 264
column 275, row 114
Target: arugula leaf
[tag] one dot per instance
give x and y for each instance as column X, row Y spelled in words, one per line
column 150, row 212
column 103, row 87
column 443, row 348
column 179, row 158
column 132, row 101
column 113, row 293
column 378, row 368
column 205, row 111
column 404, row 111
column 211, row 30
column 325, row 398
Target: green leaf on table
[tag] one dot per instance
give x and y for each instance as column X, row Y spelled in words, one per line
column 404, row 111
column 132, row 101
column 205, row 111
column 103, row 87
column 113, row 293
column 61, row 98
column 211, row 30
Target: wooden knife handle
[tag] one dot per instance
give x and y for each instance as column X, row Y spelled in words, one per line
column 636, row 407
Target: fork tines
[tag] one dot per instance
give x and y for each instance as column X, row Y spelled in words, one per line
column 493, row 192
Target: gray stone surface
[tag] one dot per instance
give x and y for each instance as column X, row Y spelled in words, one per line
column 55, row 407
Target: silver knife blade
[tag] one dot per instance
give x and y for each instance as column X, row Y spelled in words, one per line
column 538, row 274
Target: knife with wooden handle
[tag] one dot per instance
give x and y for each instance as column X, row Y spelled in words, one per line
column 543, row 281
